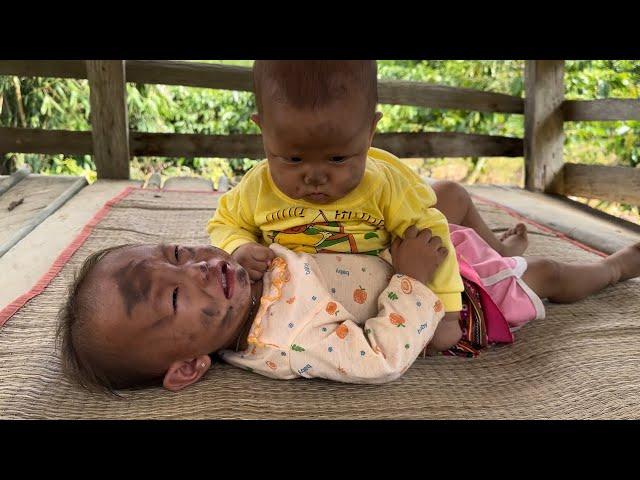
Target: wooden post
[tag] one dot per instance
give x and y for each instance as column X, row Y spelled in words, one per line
column 109, row 122
column 543, row 125
column 5, row 167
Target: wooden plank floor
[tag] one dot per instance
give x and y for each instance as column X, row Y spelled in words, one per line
column 23, row 265
column 28, row 198
column 26, row 262
column 591, row 227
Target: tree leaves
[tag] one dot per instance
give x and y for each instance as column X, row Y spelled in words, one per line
column 64, row 104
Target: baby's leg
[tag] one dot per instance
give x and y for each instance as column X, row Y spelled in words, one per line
column 456, row 204
column 565, row 282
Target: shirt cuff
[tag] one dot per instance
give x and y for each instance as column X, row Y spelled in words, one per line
column 452, row 301
column 234, row 244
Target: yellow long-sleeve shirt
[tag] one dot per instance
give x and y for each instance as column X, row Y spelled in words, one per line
column 389, row 199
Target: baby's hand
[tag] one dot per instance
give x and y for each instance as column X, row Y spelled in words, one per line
column 254, row 258
column 418, row 255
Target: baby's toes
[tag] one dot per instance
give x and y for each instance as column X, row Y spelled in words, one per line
column 506, row 234
column 520, row 229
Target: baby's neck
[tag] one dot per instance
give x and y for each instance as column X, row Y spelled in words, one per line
column 256, row 294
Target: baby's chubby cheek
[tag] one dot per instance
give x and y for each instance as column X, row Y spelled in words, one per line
column 352, row 178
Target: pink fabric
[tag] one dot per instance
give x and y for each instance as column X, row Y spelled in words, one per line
column 478, row 263
column 495, row 323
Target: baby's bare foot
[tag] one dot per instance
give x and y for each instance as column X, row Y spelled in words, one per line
column 514, row 241
column 625, row 263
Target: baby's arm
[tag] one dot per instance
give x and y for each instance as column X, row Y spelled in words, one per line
column 447, row 284
column 339, row 349
column 234, row 230
column 414, row 206
column 231, row 226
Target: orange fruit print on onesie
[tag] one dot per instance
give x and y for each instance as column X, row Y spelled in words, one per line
column 359, row 295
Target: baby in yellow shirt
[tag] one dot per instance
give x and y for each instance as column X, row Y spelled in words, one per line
column 323, row 188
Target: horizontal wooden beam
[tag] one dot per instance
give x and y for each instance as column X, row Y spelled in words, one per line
column 448, row 144
column 436, row 144
column 610, row 109
column 190, row 74
column 615, row 184
column 228, row 77
column 166, row 72
column 28, row 140
column 44, row 68
column 397, row 92
column 196, row 145
column 425, row 145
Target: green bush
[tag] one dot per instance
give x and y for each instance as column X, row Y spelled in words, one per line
column 64, row 104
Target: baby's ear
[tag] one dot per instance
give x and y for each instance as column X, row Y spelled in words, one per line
column 376, row 119
column 183, row 373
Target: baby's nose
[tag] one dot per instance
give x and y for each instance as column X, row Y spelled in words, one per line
column 201, row 270
column 315, row 178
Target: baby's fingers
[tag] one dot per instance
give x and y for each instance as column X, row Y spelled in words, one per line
column 441, row 254
column 263, row 254
column 435, row 242
column 425, row 234
column 411, row 232
column 270, row 256
column 254, row 274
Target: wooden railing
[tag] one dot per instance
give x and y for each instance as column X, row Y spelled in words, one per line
column 546, row 111
column 544, row 108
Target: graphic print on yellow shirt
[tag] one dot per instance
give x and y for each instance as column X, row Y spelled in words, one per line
column 327, row 232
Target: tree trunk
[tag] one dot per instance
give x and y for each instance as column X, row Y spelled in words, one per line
column 7, row 164
column 478, row 165
column 23, row 117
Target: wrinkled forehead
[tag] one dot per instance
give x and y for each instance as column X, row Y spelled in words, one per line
column 118, row 258
column 122, row 275
column 134, row 275
column 131, row 258
column 338, row 127
column 351, row 109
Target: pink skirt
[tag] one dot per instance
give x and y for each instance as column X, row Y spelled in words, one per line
column 500, row 276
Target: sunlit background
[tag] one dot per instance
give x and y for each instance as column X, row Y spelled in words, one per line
column 64, row 104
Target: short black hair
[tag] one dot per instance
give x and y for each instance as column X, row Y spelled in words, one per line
column 315, row 83
column 80, row 354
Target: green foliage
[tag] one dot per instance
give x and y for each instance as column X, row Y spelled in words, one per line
column 497, row 76
column 64, row 104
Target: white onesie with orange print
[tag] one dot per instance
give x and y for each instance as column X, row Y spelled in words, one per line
column 302, row 329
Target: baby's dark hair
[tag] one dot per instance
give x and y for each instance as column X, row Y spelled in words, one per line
column 315, row 83
column 79, row 352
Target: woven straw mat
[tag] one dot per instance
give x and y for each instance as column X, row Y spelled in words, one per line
column 581, row 362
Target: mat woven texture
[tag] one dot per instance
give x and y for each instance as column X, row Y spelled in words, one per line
column 581, row 362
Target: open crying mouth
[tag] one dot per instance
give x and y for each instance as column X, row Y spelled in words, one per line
column 225, row 287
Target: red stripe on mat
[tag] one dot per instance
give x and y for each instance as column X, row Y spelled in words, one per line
column 7, row 312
